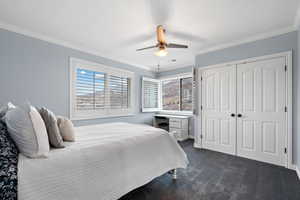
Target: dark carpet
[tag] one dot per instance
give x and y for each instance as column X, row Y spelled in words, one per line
column 216, row 176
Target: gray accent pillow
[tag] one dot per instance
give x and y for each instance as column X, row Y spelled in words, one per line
column 50, row 120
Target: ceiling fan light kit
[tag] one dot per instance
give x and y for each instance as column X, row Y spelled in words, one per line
column 162, row 45
column 161, row 52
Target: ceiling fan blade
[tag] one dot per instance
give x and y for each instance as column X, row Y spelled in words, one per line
column 172, row 45
column 151, row 47
column 160, row 34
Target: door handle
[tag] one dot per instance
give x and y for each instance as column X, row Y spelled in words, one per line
column 239, row 115
column 232, row 115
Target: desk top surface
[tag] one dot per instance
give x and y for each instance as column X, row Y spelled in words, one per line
column 173, row 116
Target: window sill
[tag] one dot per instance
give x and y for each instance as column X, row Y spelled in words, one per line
column 184, row 113
column 149, row 110
column 78, row 118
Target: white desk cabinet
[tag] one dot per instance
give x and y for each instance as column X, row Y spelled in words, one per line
column 178, row 125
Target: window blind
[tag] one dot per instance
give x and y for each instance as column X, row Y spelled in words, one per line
column 151, row 91
column 150, row 94
column 118, row 92
column 90, row 90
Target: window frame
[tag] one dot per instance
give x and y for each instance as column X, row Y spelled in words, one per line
column 176, row 77
column 160, row 98
column 158, row 95
column 75, row 64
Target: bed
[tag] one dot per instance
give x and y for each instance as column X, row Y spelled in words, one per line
column 106, row 162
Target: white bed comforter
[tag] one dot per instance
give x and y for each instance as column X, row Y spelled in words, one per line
column 106, row 162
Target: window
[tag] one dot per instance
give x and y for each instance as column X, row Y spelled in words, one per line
column 186, row 88
column 118, row 92
column 172, row 94
column 99, row 91
column 89, row 90
column 177, row 94
column 151, row 91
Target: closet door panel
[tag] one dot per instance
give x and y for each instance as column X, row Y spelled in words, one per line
column 218, row 103
column 261, row 93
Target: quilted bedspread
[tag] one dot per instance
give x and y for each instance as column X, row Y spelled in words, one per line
column 106, row 162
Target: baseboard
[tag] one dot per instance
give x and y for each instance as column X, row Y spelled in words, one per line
column 298, row 172
column 292, row 167
column 197, row 145
column 191, row 137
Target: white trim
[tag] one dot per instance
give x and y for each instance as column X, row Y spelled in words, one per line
column 254, row 38
column 247, row 60
column 297, row 171
column 176, row 76
column 293, row 167
column 160, row 110
column 181, row 65
column 158, row 95
column 191, row 137
column 289, row 95
column 289, row 100
column 198, row 119
column 197, row 146
column 46, row 38
column 75, row 63
column 297, row 18
column 176, row 112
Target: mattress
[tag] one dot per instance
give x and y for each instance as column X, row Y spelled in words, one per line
column 106, row 162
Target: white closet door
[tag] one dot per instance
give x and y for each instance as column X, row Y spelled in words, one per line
column 218, row 104
column 261, row 121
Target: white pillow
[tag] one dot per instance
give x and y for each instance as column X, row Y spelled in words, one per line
column 4, row 109
column 66, row 129
column 27, row 129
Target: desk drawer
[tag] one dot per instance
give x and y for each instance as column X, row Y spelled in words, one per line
column 179, row 134
column 175, row 123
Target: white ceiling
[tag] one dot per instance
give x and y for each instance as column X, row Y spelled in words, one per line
column 115, row 28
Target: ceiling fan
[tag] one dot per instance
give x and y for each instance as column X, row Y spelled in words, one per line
column 162, row 45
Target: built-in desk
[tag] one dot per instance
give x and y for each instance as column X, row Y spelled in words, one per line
column 176, row 124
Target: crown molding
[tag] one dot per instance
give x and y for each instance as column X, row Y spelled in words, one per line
column 43, row 37
column 171, row 68
column 248, row 40
column 236, row 43
column 46, row 38
column 297, row 18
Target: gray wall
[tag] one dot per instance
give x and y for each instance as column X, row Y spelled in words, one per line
column 38, row 71
column 285, row 42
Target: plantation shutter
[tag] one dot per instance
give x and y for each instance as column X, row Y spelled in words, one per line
column 151, row 89
column 119, row 92
column 90, row 90
column 99, row 91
